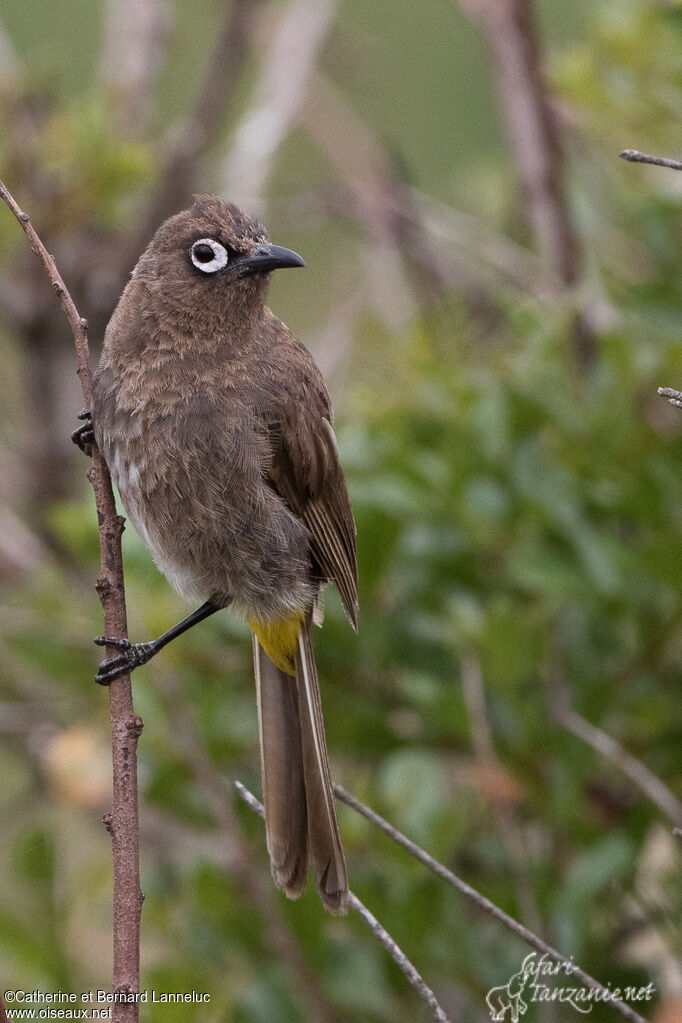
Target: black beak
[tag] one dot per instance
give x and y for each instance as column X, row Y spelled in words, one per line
column 269, row 257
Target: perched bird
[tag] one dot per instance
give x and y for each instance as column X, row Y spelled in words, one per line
column 217, row 428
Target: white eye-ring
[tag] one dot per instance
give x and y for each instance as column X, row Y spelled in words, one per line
column 208, row 255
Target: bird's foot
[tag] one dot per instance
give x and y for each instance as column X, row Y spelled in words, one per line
column 84, row 435
column 132, row 656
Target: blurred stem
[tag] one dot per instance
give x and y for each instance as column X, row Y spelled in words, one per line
column 508, row 826
column 182, row 160
column 533, row 131
column 286, row 69
column 125, row 725
column 638, row 773
column 132, row 52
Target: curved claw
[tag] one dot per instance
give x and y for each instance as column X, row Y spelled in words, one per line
column 111, row 668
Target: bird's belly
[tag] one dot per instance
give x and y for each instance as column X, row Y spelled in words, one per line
column 233, row 545
column 130, row 478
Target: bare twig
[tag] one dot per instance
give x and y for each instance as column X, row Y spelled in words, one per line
column 638, row 773
column 125, row 725
column 398, row 957
column 287, row 67
column 480, row 900
column 673, row 396
column 531, row 124
column 634, row 156
column 371, row 921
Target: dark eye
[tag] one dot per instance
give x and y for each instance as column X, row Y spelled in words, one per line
column 208, row 255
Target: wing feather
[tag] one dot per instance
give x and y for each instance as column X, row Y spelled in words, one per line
column 306, row 473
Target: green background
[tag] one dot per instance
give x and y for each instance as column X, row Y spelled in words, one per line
column 519, row 531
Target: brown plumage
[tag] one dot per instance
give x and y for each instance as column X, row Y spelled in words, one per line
column 216, row 425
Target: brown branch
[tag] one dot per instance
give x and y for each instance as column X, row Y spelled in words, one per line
column 480, row 900
column 3, row 1014
column 533, row 131
column 634, row 156
column 125, row 725
column 394, row 950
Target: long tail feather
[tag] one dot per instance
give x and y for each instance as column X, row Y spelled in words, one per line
column 284, row 793
column 324, row 840
column 300, row 814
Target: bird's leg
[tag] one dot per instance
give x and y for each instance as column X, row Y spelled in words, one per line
column 134, row 654
column 83, row 435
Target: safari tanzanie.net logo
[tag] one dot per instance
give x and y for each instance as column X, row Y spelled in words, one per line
column 540, row 979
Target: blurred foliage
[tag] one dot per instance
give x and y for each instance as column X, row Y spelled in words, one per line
column 511, row 514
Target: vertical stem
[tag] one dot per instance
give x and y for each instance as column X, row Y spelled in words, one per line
column 126, row 727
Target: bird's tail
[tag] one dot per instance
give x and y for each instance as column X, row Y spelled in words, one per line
column 300, row 816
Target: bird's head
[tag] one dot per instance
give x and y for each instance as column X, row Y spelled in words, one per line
column 212, row 257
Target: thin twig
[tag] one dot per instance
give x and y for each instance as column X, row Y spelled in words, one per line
column 523, row 932
column 398, row 956
column 673, row 396
column 638, row 773
column 371, row 921
column 634, row 156
column 125, row 725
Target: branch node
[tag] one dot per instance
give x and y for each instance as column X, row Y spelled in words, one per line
column 134, row 725
column 23, row 217
column 108, row 821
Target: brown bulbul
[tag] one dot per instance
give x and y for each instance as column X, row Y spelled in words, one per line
column 216, row 425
